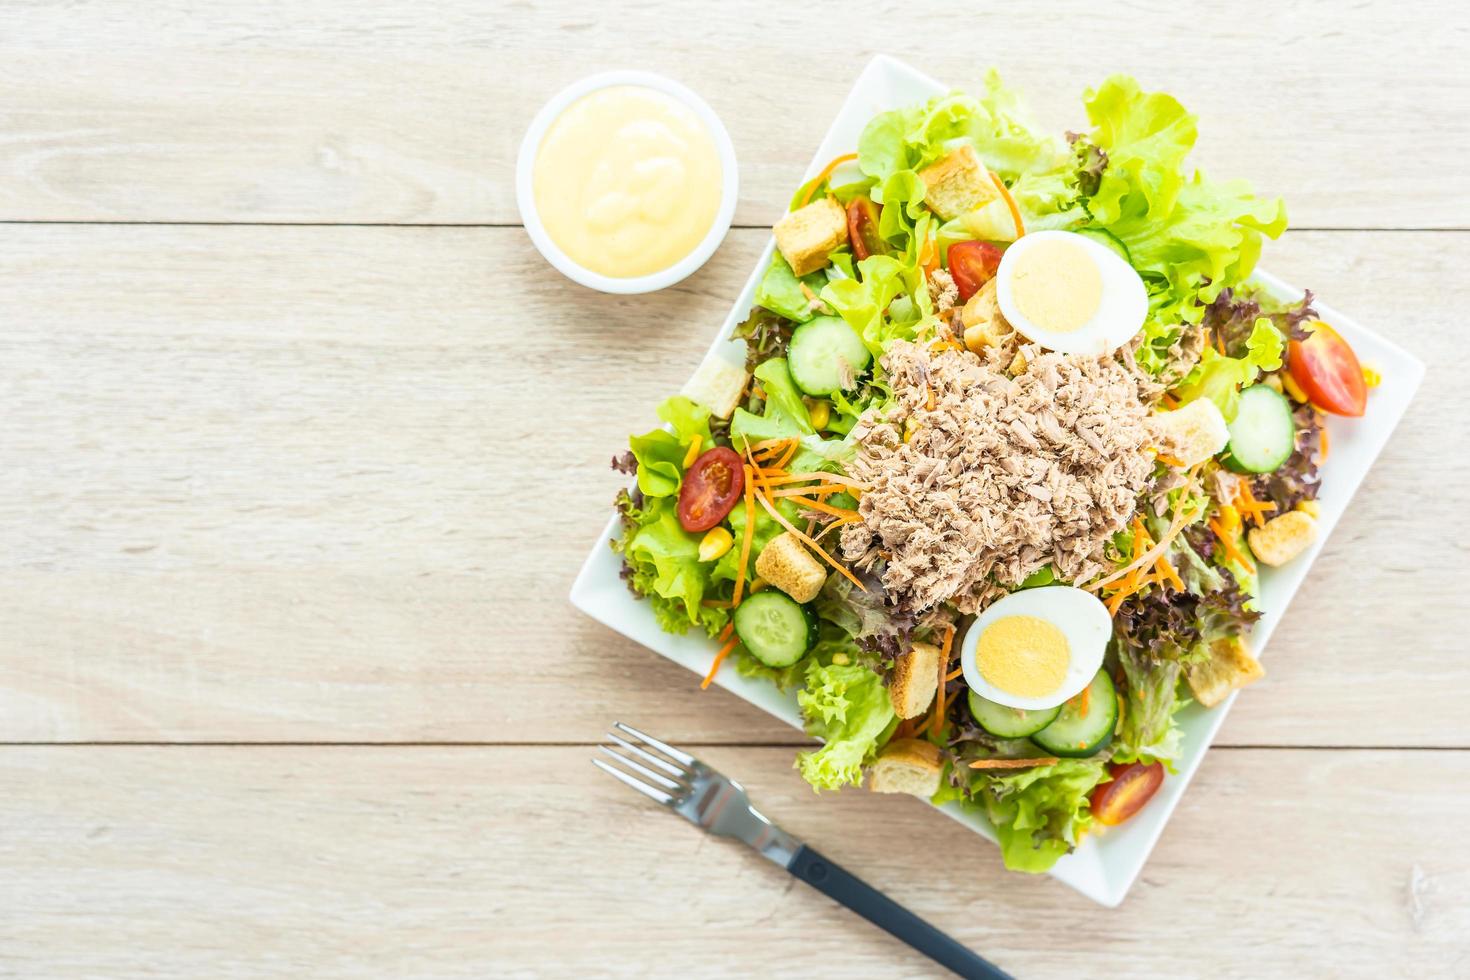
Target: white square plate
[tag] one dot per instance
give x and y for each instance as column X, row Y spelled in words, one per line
column 1104, row 866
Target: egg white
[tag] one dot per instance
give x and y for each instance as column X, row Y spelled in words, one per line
column 1120, row 312
column 1082, row 619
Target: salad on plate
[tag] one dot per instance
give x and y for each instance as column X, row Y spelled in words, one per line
column 1014, row 441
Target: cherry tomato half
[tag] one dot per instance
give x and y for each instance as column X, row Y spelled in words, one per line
column 1133, row 785
column 1328, row 371
column 973, row 264
column 711, row 487
column 862, row 228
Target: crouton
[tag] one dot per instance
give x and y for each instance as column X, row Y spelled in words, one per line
column 808, row 234
column 915, row 679
column 957, row 184
column 1283, row 537
column 788, row 566
column 1192, row 434
column 1229, row 668
column 985, row 326
column 907, row 765
column 717, row 385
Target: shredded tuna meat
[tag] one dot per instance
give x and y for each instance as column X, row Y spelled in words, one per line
column 1000, row 477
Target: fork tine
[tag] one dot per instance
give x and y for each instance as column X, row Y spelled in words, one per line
column 666, row 749
column 663, row 764
column 642, row 770
column 656, row 795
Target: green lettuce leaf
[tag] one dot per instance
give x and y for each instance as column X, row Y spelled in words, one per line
column 847, row 707
column 780, row 290
column 1037, row 813
column 661, row 453
column 1147, row 731
column 1220, row 378
column 661, row 564
column 785, row 413
column 868, row 304
column 1188, row 237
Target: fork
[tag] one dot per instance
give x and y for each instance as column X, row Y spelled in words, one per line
column 718, row 805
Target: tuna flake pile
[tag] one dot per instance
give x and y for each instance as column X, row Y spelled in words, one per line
column 978, row 479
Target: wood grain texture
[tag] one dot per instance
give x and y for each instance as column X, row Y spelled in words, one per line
column 504, row 862
column 345, row 112
column 323, row 484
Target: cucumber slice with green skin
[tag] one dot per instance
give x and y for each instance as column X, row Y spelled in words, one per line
column 817, row 352
column 775, row 628
column 1004, row 721
column 1263, row 434
column 1077, row 734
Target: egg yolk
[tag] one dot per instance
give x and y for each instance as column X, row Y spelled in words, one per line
column 1056, row 286
column 1023, row 655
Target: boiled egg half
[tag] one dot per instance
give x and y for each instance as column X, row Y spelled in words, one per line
column 1036, row 648
column 1070, row 293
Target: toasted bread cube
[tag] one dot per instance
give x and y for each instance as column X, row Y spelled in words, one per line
column 717, row 385
column 915, row 680
column 1192, row 434
column 788, row 566
column 808, row 234
column 1229, row 668
column 1282, row 538
column 985, row 326
column 957, row 184
column 907, row 765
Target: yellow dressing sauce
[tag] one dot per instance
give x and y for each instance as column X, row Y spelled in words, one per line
column 1056, row 286
column 1023, row 655
column 627, row 181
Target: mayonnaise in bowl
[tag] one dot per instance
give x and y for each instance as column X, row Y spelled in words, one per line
column 626, row 182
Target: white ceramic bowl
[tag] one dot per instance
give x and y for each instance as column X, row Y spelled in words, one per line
column 526, row 198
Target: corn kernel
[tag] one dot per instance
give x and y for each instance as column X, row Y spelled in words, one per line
column 841, row 659
column 693, row 452
column 1018, row 364
column 820, row 411
column 1372, row 377
column 1311, row 508
column 1293, row 389
column 1229, row 519
column 909, row 428
column 1273, row 381
column 715, row 543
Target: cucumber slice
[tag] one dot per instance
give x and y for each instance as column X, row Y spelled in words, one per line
column 1263, row 435
column 1077, row 734
column 1003, row 721
column 818, row 350
column 775, row 628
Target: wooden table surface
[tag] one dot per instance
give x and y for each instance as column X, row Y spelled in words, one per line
column 302, row 445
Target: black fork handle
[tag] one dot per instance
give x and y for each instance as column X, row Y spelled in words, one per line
column 831, row 880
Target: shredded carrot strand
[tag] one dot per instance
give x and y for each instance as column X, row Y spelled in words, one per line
column 1322, row 453
column 944, row 650
column 745, row 538
column 822, row 508
column 786, row 456
column 1219, row 343
column 1169, row 400
column 1046, row 760
column 1168, row 460
column 769, row 444
column 1010, row 203
column 714, row 667
column 1145, row 560
column 953, row 674
column 1228, row 543
column 929, row 256
column 826, row 172
column 1166, row 573
column 808, row 491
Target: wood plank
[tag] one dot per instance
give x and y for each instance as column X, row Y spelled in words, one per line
column 148, row 112
column 333, row 484
column 498, row 862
